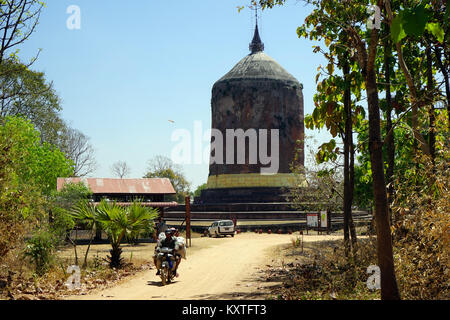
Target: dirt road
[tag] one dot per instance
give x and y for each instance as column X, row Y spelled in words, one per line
column 225, row 268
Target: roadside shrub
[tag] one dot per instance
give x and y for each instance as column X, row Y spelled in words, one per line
column 62, row 224
column 39, row 250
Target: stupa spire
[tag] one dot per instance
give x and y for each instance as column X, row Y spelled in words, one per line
column 256, row 45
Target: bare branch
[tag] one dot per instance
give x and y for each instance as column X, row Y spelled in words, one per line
column 121, row 169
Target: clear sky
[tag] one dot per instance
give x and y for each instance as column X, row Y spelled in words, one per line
column 135, row 65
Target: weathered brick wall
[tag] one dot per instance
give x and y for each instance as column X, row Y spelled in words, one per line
column 259, row 104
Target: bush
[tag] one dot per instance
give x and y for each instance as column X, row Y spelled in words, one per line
column 422, row 232
column 39, row 250
column 62, row 224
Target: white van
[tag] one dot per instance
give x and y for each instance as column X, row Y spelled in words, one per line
column 221, row 227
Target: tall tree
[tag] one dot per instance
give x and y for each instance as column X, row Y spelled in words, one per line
column 335, row 109
column 349, row 155
column 26, row 93
column 366, row 58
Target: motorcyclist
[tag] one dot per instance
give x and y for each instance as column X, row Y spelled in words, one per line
column 167, row 242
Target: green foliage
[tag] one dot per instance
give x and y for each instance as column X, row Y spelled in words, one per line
column 121, row 222
column 436, row 30
column 70, row 194
column 14, row 202
column 28, row 172
column 405, row 166
column 135, row 212
column 61, row 224
column 26, row 94
column 179, row 182
column 85, row 213
column 413, row 22
column 199, row 189
column 61, row 203
column 35, row 163
column 39, row 250
column 363, row 195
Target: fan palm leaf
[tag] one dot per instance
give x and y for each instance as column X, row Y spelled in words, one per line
column 120, row 222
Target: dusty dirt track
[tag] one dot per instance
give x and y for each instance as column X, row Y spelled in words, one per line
column 225, row 268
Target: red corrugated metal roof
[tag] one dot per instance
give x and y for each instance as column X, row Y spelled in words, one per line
column 122, row 186
column 147, row 204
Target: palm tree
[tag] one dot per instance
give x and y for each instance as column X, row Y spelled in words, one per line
column 120, row 222
column 85, row 213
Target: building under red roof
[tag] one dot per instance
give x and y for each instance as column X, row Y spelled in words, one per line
column 123, row 186
column 150, row 191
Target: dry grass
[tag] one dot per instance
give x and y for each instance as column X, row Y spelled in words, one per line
column 320, row 271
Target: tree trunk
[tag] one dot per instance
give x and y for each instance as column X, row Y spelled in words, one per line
column 75, row 246
column 115, row 260
column 98, row 234
column 347, row 138
column 352, row 188
column 87, row 250
column 389, row 289
column 389, row 130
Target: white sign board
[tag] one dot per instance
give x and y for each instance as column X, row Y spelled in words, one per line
column 312, row 220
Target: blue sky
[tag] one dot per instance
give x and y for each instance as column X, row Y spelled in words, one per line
column 135, row 65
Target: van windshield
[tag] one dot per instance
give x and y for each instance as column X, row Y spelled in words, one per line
column 226, row 223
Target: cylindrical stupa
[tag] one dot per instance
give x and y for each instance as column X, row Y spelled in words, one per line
column 257, row 127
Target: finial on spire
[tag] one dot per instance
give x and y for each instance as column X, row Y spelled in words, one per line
column 256, row 45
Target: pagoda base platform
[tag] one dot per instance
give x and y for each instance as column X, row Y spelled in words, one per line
column 248, row 216
column 219, row 211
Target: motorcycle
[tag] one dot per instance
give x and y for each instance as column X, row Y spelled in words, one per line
column 166, row 265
